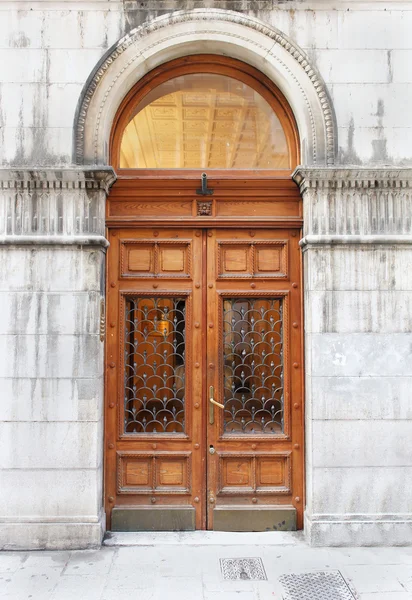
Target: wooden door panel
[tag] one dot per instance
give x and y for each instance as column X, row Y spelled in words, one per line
column 154, row 423
column 188, row 310
column 254, row 333
column 256, row 259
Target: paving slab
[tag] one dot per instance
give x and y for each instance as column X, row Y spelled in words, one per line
column 207, row 566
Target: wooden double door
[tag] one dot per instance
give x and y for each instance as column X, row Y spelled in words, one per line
column 204, row 379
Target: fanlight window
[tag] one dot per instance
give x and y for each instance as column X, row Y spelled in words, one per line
column 204, row 121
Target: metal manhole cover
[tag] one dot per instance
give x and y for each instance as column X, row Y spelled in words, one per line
column 242, row 568
column 320, row 585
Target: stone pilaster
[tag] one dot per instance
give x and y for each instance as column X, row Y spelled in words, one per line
column 357, row 278
column 52, row 257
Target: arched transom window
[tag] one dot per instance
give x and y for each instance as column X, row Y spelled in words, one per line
column 207, row 120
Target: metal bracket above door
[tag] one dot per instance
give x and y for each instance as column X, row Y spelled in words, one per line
column 204, row 190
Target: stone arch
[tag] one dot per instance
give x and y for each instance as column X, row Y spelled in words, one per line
column 208, row 31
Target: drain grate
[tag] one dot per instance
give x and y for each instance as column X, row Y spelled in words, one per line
column 242, row 568
column 320, row 585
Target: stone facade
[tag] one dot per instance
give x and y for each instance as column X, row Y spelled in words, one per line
column 357, row 246
column 52, row 282
column 345, row 68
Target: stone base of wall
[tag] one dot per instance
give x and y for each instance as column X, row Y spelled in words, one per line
column 52, row 536
column 363, row 530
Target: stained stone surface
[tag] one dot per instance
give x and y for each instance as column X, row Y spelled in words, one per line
column 319, row 585
column 242, row 568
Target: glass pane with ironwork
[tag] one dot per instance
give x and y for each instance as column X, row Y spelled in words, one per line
column 204, row 121
column 253, row 366
column 154, row 359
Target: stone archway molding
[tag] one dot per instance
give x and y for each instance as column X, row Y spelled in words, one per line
column 211, row 31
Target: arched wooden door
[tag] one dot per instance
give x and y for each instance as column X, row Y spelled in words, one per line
column 204, row 379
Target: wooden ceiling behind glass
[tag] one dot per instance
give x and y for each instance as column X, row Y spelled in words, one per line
column 204, row 121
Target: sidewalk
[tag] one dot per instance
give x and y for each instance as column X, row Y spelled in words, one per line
column 192, row 567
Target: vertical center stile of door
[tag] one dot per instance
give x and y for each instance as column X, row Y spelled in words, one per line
column 205, row 399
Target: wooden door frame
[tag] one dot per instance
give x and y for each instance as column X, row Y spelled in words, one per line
column 155, row 223
column 167, row 198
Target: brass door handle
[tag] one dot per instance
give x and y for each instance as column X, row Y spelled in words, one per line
column 212, row 404
column 211, row 398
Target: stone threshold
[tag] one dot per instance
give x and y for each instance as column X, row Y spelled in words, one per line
column 204, row 538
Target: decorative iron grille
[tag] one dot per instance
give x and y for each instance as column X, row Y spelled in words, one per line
column 154, row 378
column 253, row 365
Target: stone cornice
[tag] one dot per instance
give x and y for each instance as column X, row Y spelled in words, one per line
column 356, row 205
column 354, row 177
column 57, row 179
column 58, row 207
column 344, row 240
column 54, row 240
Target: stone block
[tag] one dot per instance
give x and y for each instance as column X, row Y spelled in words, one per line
column 372, row 104
column 23, row 65
column 375, row 29
column 51, row 399
column 361, row 398
column 20, row 28
column 72, row 65
column 308, row 28
column 375, row 145
column 51, row 356
column 80, row 535
column 358, row 268
column 102, row 28
column 361, row 444
column 62, row 104
column 52, row 313
column 31, row 445
column 369, row 145
column 73, row 28
column 399, row 145
column 21, row 104
column 401, row 65
column 64, row 28
column 359, row 312
column 372, row 490
column 51, row 269
column 40, row 146
column 361, row 354
column 51, row 493
column 360, row 532
column 353, row 66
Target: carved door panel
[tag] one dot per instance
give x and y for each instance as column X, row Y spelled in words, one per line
column 193, row 316
column 255, row 451
column 154, row 426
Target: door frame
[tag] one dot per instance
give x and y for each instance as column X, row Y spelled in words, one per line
column 242, row 199
column 129, row 207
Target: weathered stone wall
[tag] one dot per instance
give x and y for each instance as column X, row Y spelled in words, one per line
column 356, row 256
column 363, row 50
column 52, row 257
column 358, row 324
